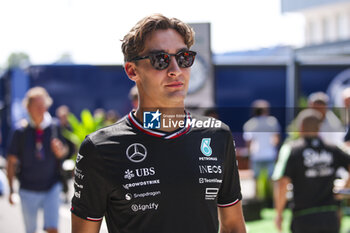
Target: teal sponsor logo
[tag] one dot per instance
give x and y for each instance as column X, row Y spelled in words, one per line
column 205, row 147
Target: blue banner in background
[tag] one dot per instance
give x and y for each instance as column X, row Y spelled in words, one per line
column 236, row 87
column 84, row 87
column 19, row 85
column 315, row 78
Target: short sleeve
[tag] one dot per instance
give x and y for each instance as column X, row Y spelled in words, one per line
column 14, row 143
column 342, row 157
column 281, row 168
column 247, row 132
column 230, row 189
column 90, row 188
column 247, row 136
column 275, row 124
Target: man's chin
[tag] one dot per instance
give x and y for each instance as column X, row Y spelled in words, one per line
column 176, row 98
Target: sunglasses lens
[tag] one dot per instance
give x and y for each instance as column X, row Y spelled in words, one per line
column 185, row 59
column 160, row 61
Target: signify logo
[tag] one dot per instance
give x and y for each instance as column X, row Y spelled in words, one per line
column 139, row 207
column 153, row 120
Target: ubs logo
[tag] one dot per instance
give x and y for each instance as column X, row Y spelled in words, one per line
column 136, row 152
column 140, row 172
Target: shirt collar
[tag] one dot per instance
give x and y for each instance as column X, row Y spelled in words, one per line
column 166, row 135
column 44, row 124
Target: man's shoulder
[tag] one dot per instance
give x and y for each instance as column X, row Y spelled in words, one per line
column 208, row 124
column 294, row 146
column 250, row 124
column 298, row 146
column 271, row 120
column 21, row 125
column 336, row 147
column 55, row 122
column 119, row 129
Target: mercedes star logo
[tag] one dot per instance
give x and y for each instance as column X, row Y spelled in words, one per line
column 136, row 152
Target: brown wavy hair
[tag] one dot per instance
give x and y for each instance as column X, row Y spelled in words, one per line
column 134, row 41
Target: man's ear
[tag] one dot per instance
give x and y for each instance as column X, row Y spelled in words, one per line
column 130, row 70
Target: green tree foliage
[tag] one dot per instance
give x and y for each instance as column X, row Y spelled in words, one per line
column 18, row 59
column 65, row 58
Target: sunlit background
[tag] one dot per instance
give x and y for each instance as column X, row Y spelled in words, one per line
column 89, row 31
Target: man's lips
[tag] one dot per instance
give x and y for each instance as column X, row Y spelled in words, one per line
column 174, row 84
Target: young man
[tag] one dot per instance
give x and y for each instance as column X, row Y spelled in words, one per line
column 310, row 165
column 37, row 148
column 168, row 180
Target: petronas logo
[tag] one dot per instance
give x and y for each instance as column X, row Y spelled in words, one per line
column 205, row 147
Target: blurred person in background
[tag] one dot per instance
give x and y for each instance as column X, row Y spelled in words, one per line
column 112, row 117
column 36, row 151
column 180, row 178
column 310, row 164
column 331, row 129
column 62, row 113
column 262, row 136
column 100, row 114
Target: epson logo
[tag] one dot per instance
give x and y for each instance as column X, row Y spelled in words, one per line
column 210, row 169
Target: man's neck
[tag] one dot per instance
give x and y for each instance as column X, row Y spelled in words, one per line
column 171, row 116
column 37, row 122
column 309, row 134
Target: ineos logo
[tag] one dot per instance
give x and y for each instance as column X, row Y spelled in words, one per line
column 136, row 152
column 210, row 169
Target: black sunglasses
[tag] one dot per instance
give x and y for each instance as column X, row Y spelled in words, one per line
column 161, row 60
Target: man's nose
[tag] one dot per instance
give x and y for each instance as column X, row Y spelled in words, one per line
column 174, row 70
